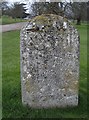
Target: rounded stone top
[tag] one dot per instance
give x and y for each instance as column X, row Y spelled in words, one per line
column 47, row 22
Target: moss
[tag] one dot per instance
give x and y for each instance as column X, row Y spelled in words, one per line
column 41, row 18
column 65, row 19
column 46, row 19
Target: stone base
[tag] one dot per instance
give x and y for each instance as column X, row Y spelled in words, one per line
column 64, row 102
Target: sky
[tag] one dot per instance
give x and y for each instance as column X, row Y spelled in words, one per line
column 25, row 1
column 31, row 1
column 11, row 1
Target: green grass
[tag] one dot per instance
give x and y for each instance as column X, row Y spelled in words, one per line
column 12, row 105
column 9, row 20
column 0, row 75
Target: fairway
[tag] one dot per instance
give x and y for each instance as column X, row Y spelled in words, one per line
column 11, row 95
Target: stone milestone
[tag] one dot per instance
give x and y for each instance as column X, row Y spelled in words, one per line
column 49, row 50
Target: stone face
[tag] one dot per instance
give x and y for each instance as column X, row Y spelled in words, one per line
column 49, row 50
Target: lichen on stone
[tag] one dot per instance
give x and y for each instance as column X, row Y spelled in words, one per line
column 46, row 22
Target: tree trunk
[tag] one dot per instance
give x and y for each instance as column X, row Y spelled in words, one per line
column 79, row 20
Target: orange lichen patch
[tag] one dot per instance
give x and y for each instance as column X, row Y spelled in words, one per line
column 30, row 87
column 74, row 85
column 65, row 19
column 27, row 85
column 68, row 49
column 68, row 75
column 61, row 31
column 71, row 87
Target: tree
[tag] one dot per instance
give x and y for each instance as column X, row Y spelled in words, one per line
column 88, row 11
column 39, row 8
column 80, row 11
column 18, row 10
column 4, row 7
column 74, row 10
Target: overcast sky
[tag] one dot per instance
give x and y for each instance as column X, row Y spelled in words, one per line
column 11, row 1
column 26, row 1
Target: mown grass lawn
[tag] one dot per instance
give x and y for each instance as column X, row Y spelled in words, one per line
column 0, row 75
column 9, row 20
column 12, row 105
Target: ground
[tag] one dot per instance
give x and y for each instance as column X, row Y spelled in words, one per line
column 11, row 96
column 10, row 27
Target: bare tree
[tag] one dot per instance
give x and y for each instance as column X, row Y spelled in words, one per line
column 4, row 7
column 39, row 8
column 80, row 11
column 74, row 10
column 87, row 11
column 18, row 10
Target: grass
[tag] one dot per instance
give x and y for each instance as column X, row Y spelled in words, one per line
column 9, row 20
column 0, row 75
column 12, row 105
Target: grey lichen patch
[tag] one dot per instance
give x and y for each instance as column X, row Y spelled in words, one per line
column 49, row 49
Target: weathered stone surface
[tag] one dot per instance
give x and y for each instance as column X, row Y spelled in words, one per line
column 49, row 62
